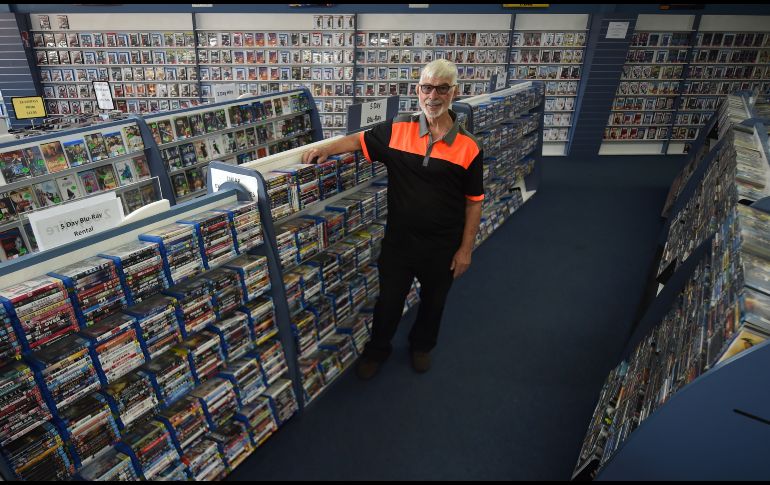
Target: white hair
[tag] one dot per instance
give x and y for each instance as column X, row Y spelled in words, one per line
column 440, row 69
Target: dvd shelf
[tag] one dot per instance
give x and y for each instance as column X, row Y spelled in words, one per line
column 46, row 171
column 233, row 132
column 508, row 125
column 717, row 307
column 147, row 387
column 388, row 63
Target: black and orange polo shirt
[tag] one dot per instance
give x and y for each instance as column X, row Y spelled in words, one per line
column 428, row 181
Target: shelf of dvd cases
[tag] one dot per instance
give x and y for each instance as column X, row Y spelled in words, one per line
column 234, row 132
column 555, row 57
column 151, row 323
column 40, row 172
column 715, row 307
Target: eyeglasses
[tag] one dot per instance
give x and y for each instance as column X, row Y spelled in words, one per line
column 428, row 88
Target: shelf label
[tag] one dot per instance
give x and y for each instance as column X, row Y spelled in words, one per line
column 103, row 95
column 617, row 30
column 219, row 177
column 75, row 221
column 224, row 92
column 373, row 112
column 26, row 107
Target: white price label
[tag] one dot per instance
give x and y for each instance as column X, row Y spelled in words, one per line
column 71, row 222
column 224, row 92
column 219, row 177
column 373, row 112
column 103, row 95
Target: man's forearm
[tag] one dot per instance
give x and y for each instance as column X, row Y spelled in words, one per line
column 350, row 143
column 472, row 221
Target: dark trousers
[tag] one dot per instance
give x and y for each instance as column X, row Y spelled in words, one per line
column 397, row 269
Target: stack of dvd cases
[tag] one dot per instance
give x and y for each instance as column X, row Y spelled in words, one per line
column 194, row 306
column 312, row 379
column 156, row 324
column 352, row 210
column 152, row 446
column 355, row 329
column 9, row 344
column 215, row 237
column 89, row 428
column 115, row 348
column 310, row 281
column 305, row 332
column 371, row 276
column 368, row 206
column 346, row 170
column 176, row 471
column 340, row 302
column 364, row 169
column 245, row 223
column 379, row 168
column 140, row 268
column 260, row 313
column 346, row 255
column 277, row 184
column 330, row 270
column 131, row 399
column 307, row 234
column 286, row 244
column 21, row 404
column 186, row 422
column 342, row 346
column 282, row 400
column 259, row 418
column 41, row 311
column 217, row 396
column 170, row 376
column 332, row 226
column 235, row 335
column 303, row 186
column 363, row 245
column 327, row 177
column 67, row 371
column 291, row 282
column 39, row 456
column 226, row 290
column 272, row 360
column 95, row 288
column 252, row 273
column 234, row 443
column 380, row 193
column 180, row 251
column 329, row 364
column 246, row 378
column 204, row 462
column 357, row 287
column 111, row 466
column 324, row 316
column 205, row 353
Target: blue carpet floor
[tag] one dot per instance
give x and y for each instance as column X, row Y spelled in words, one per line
column 528, row 336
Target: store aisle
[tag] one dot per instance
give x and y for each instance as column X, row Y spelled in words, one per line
column 528, row 337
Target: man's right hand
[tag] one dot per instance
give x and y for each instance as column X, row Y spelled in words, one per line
column 315, row 155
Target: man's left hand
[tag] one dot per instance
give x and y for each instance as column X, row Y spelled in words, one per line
column 460, row 262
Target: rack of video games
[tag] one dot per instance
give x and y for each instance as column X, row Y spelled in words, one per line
column 149, row 61
column 508, row 123
column 39, row 172
column 264, row 54
column 233, row 132
column 150, row 351
column 715, row 305
column 391, row 50
column 551, row 48
column 327, row 222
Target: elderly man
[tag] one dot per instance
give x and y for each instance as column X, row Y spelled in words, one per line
column 435, row 191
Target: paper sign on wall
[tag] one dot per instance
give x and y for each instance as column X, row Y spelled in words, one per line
column 224, row 92
column 103, row 95
column 617, row 30
column 71, row 222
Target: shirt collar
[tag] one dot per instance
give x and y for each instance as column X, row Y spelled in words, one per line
column 450, row 136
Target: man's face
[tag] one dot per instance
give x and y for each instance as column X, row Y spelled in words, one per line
column 434, row 104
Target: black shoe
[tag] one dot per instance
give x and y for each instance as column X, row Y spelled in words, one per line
column 421, row 362
column 367, row 368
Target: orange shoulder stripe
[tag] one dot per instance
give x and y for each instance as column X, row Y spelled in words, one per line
column 405, row 136
column 462, row 152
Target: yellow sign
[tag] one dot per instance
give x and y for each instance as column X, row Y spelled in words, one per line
column 28, row 107
column 526, row 5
